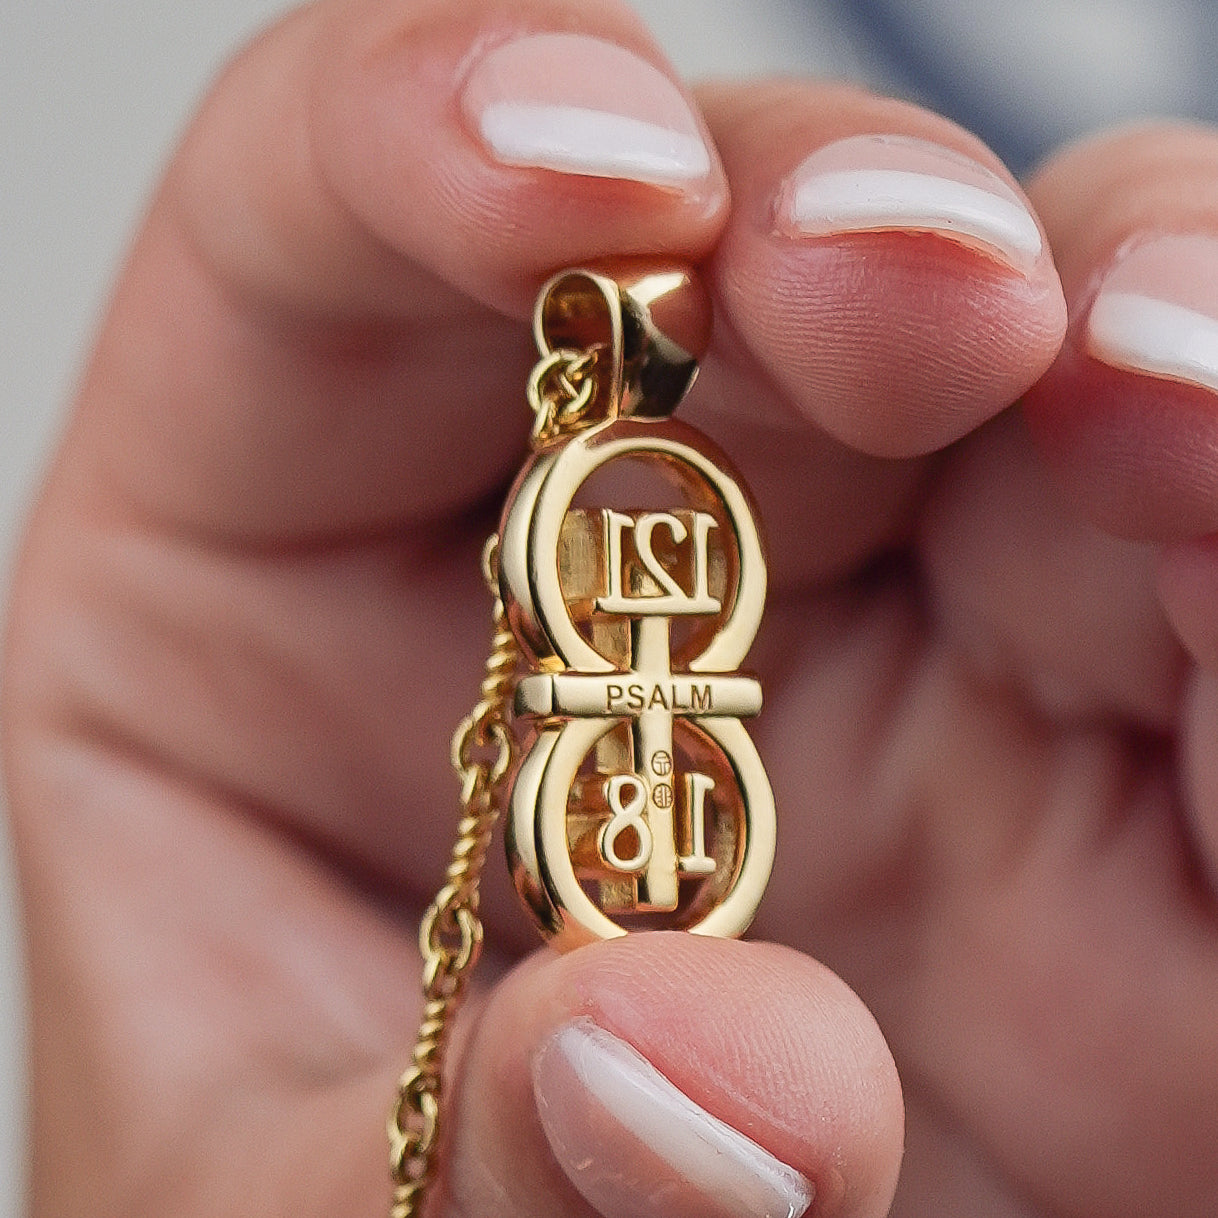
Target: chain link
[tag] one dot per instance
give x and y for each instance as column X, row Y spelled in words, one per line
column 450, row 937
column 561, row 388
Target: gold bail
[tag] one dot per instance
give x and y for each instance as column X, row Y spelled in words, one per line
column 648, row 324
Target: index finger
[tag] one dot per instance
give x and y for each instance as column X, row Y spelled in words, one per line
column 311, row 324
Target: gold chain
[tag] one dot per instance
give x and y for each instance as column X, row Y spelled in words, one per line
column 450, row 936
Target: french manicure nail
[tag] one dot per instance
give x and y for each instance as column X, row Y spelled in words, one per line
column 579, row 105
column 1156, row 311
column 878, row 183
column 637, row 1147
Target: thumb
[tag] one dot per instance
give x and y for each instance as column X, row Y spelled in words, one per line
column 676, row 1076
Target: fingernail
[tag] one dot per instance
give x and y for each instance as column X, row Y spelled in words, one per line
column 1156, row 311
column 636, row 1147
column 880, row 183
column 579, row 105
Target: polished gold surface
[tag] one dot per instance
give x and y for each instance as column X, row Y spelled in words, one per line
column 629, row 582
column 633, row 620
column 450, row 937
column 633, row 577
column 645, row 328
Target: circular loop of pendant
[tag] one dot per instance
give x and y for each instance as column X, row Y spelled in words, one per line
column 540, row 857
column 530, row 540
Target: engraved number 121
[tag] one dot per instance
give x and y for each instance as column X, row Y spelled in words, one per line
column 673, row 599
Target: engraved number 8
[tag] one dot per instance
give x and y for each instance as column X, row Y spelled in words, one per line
column 627, row 814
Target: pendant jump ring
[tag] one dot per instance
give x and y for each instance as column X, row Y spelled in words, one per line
column 652, row 322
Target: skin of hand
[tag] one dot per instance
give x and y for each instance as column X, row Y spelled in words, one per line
column 248, row 614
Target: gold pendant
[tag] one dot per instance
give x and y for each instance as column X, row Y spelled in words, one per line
column 633, row 579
